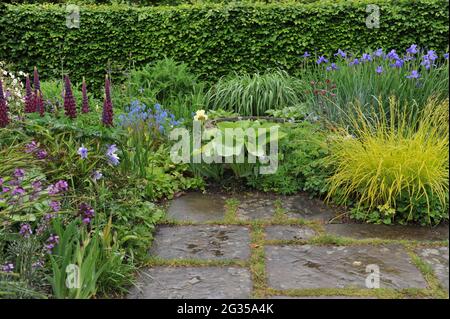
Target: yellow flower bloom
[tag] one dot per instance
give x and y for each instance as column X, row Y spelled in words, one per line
column 200, row 115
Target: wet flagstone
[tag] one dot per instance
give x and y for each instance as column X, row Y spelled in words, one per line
column 306, row 267
column 290, row 232
column 437, row 258
column 287, row 266
column 201, row 242
column 193, row 283
column 362, row 231
column 197, row 207
column 257, row 206
column 301, row 206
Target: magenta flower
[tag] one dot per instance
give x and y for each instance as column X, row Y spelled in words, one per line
column 30, row 106
column 107, row 115
column 69, row 100
column 4, row 118
column 58, row 187
column 86, row 213
column 85, row 102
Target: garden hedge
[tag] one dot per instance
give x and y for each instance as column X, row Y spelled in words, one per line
column 213, row 39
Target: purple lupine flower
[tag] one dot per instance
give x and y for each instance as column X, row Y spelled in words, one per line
column 30, row 106
column 111, row 155
column 306, row 54
column 41, row 154
column 36, row 81
column 70, row 106
column 8, row 267
column 39, row 103
column 393, row 55
column 379, row 69
column 55, row 206
column 19, row 173
column 366, row 57
column 85, row 102
column 25, row 230
column 414, row 75
column 378, row 53
column 412, row 49
column 321, row 60
column 341, row 53
column 107, row 115
column 83, row 152
column 4, row 118
column 31, row 147
column 96, row 175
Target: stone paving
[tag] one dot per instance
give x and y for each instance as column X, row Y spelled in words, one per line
column 275, row 247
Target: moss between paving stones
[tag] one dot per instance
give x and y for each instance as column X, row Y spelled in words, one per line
column 257, row 263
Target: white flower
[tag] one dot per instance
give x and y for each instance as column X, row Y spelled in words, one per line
column 5, row 73
column 200, row 115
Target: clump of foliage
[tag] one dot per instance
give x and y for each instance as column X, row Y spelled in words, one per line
column 255, row 94
column 393, row 168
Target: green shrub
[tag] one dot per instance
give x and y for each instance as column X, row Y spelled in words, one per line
column 393, row 166
column 215, row 40
column 254, row 94
column 301, row 163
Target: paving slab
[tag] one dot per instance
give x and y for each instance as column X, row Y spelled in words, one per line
column 308, row 267
column 289, row 232
column 437, row 258
column 302, row 206
column 197, row 207
column 398, row 232
column 320, row 297
column 256, row 206
column 209, row 242
column 192, row 283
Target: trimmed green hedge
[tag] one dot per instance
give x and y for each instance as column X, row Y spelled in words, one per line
column 213, row 39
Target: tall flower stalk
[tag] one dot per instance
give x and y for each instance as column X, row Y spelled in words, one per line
column 30, row 106
column 39, row 104
column 107, row 116
column 85, row 103
column 70, row 106
column 4, row 119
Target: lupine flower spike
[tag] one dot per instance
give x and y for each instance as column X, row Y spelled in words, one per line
column 39, row 103
column 107, row 116
column 4, row 119
column 36, row 81
column 85, row 103
column 69, row 101
column 30, row 106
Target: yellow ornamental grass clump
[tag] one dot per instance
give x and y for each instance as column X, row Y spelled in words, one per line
column 391, row 159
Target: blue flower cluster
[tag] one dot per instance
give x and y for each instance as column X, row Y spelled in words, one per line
column 139, row 114
column 395, row 60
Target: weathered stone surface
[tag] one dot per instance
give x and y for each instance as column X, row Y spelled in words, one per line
column 201, row 242
column 256, row 206
column 320, row 297
column 289, row 232
column 301, row 206
column 197, row 207
column 360, row 231
column 193, row 283
column 437, row 258
column 305, row 266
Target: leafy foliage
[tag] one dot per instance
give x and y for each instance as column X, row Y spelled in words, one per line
column 394, row 166
column 214, row 39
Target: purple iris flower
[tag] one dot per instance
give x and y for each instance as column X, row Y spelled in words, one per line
column 306, row 54
column 341, row 53
column 83, row 152
column 412, row 49
column 378, row 53
column 414, row 75
column 321, row 60
column 379, row 69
